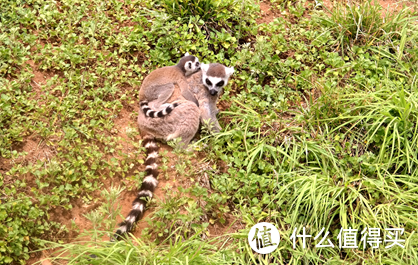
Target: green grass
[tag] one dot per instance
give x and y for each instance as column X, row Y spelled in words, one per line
column 192, row 250
column 320, row 129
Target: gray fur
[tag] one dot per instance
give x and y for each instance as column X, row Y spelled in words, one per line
column 185, row 119
column 160, row 84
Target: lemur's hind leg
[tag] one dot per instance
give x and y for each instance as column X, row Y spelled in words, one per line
column 184, row 120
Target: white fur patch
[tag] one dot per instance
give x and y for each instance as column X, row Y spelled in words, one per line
column 130, row 219
column 152, row 166
column 150, row 144
column 150, row 179
column 136, row 206
column 122, row 229
column 204, row 67
column 214, row 80
column 229, row 71
column 145, row 193
column 171, row 136
column 153, row 155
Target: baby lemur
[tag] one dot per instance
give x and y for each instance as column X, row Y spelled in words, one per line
column 176, row 116
column 160, row 84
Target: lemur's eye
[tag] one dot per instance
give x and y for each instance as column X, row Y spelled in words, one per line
column 189, row 65
column 209, row 83
column 220, row 83
column 197, row 64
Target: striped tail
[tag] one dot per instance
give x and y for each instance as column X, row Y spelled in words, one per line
column 153, row 114
column 148, row 186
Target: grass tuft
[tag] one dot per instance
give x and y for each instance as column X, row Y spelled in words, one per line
column 365, row 23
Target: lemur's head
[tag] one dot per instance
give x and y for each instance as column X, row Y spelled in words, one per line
column 215, row 76
column 189, row 64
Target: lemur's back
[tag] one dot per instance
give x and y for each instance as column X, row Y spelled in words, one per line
column 160, row 77
column 183, row 121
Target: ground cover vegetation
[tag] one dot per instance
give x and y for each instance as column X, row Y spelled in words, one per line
column 319, row 128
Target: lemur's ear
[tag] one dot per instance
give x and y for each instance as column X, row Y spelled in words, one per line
column 229, row 71
column 204, row 67
column 186, row 54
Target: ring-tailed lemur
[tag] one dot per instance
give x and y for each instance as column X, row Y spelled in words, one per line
column 183, row 121
column 160, row 84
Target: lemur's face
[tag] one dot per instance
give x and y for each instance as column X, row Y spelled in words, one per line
column 215, row 76
column 190, row 64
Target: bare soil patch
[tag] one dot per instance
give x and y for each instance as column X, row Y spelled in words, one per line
column 40, row 77
column 268, row 14
column 35, row 148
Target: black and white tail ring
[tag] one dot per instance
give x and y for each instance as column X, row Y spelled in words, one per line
column 146, row 191
column 153, row 114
